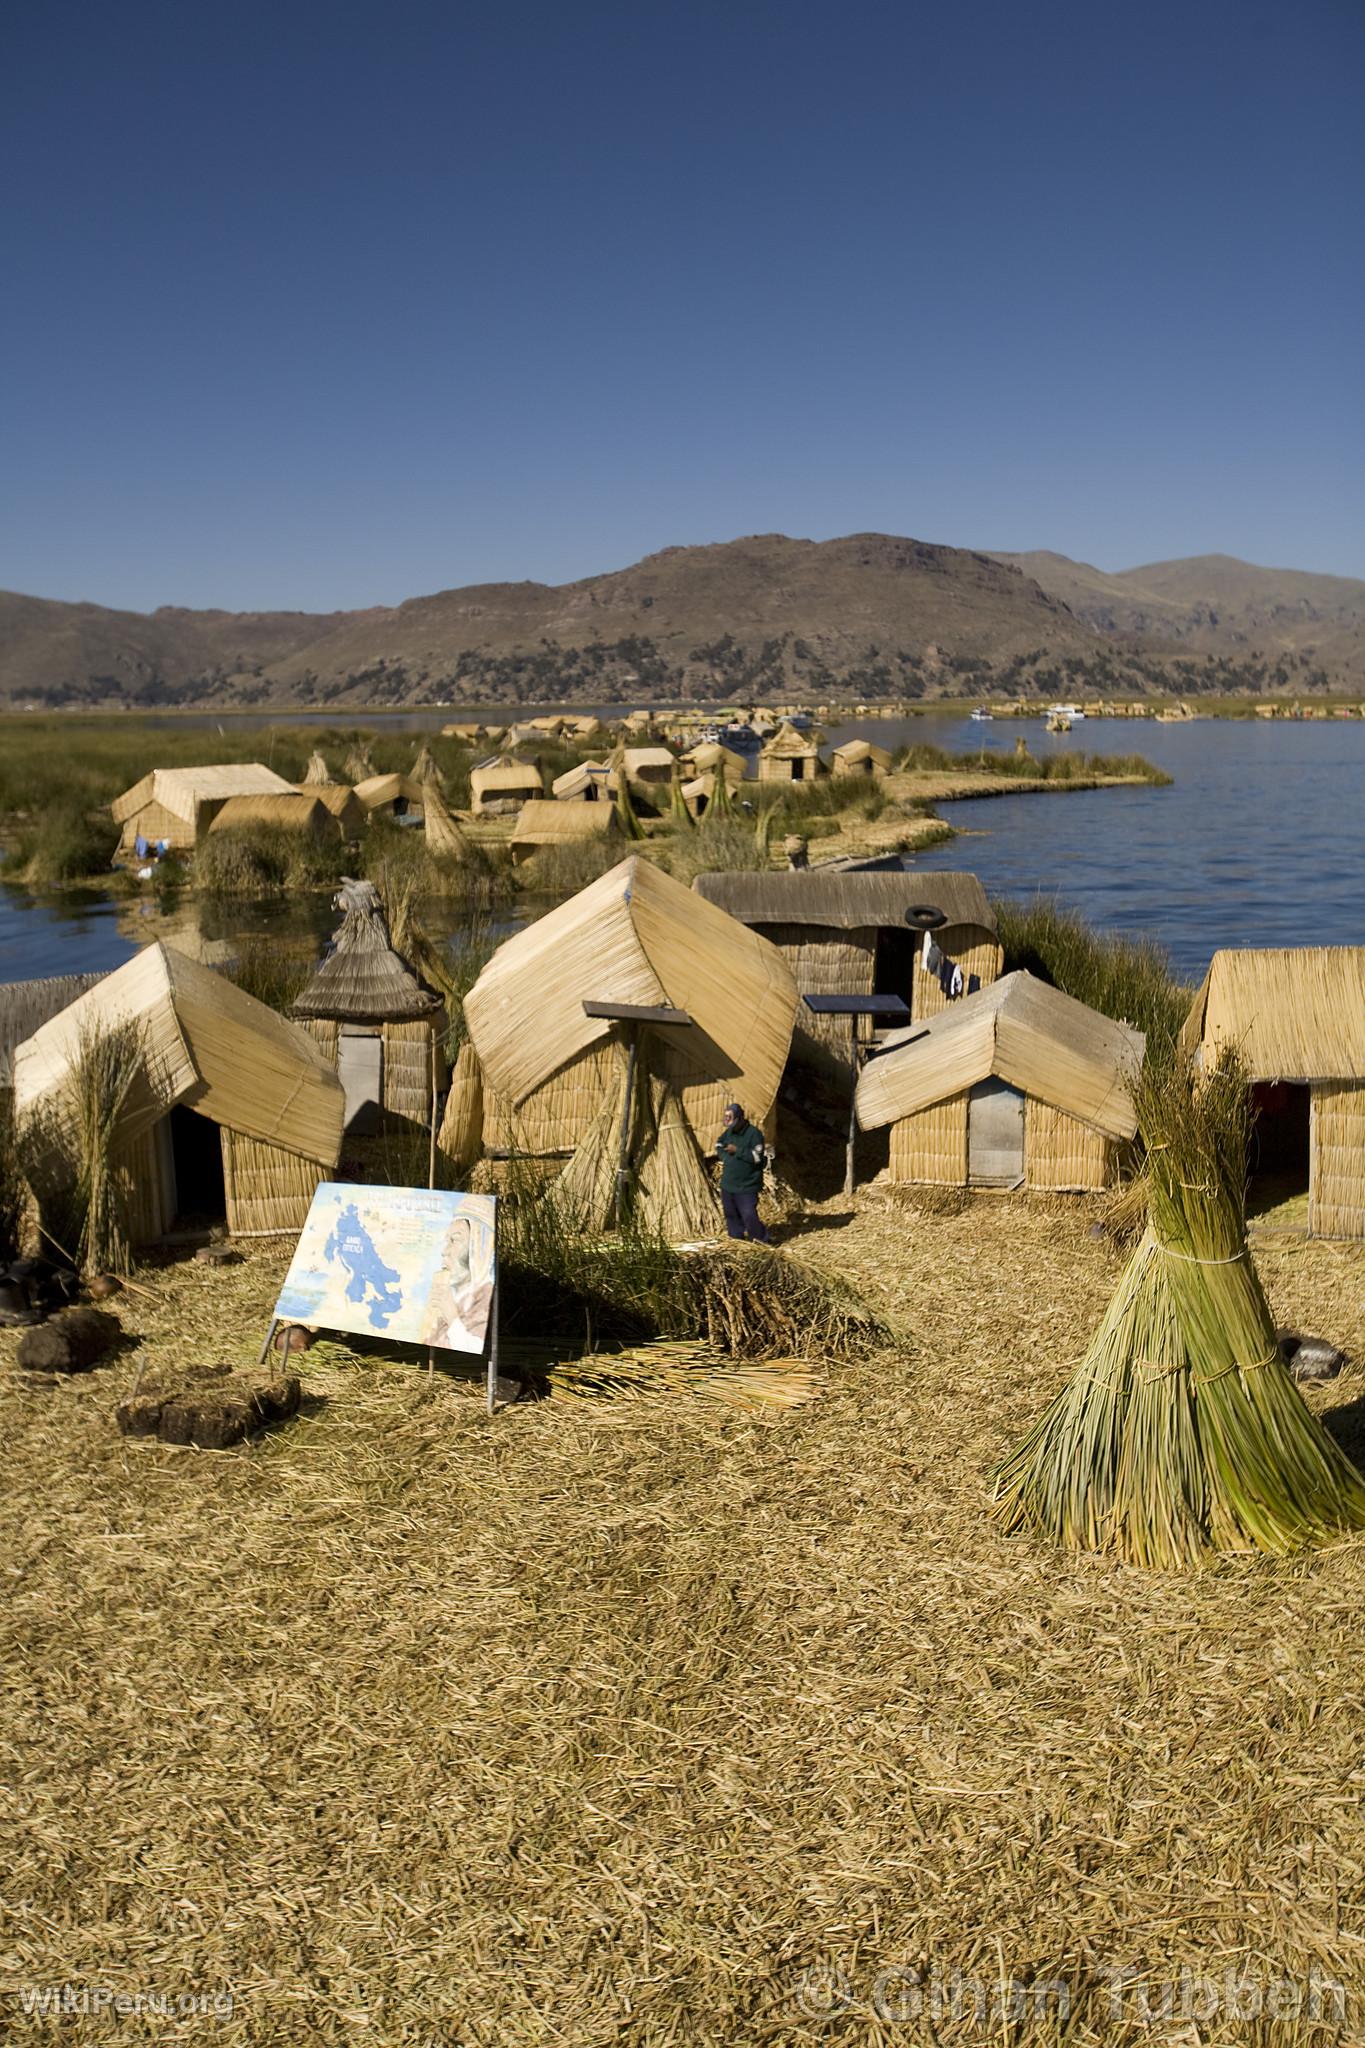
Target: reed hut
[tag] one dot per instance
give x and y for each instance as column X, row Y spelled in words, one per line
column 234, row 1117
column 378, row 1025
column 860, row 758
column 1296, row 1017
column 544, row 822
column 1016, row 1086
column 499, row 786
column 588, row 782
column 176, row 806
column 466, row 732
column 555, row 1079
column 651, row 767
column 301, row 813
column 790, row 756
column 709, row 757
column 396, row 797
column 344, row 805
column 844, row 933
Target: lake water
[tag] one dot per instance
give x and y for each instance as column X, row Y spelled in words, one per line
column 1259, row 841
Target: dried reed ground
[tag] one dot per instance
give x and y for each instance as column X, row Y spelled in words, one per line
column 593, row 1726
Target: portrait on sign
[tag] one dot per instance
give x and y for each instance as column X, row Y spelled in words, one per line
column 417, row 1265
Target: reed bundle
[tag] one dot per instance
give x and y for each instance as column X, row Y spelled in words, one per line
column 687, row 1370
column 1182, row 1432
column 626, row 815
column 721, row 803
column 667, row 1188
column 678, row 812
column 317, row 774
column 358, row 765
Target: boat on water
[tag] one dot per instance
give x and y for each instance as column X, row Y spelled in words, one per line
column 737, row 736
column 981, row 716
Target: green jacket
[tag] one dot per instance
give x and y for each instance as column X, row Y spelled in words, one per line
column 741, row 1152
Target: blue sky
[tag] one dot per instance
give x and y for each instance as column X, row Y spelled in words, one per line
column 330, row 307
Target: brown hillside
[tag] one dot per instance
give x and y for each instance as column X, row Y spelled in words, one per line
column 1215, row 603
column 870, row 615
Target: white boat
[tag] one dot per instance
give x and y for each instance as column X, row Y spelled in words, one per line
column 981, row 716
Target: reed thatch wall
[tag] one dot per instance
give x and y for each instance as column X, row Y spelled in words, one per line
column 1063, row 1154
column 1336, row 1187
column 155, row 823
column 1060, row 1153
column 975, row 951
column 145, row 1186
column 269, row 1192
column 932, row 1146
column 555, row 1116
column 408, row 1061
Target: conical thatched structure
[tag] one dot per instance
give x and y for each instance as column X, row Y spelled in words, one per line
column 359, row 766
column 425, row 768
column 376, row 1021
column 318, row 774
column 1182, row 1433
column 445, row 841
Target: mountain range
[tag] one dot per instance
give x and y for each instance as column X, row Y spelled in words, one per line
column 870, row 615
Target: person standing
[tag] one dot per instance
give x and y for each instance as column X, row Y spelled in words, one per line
column 742, row 1152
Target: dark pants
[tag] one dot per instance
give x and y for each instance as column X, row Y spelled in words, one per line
column 742, row 1218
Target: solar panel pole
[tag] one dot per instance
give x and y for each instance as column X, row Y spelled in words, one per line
column 852, row 1103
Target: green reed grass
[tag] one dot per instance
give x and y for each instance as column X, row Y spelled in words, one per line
column 1182, row 1433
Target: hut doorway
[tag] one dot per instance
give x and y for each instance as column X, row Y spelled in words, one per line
column 995, row 1135
column 199, row 1197
column 893, row 964
column 1279, row 1153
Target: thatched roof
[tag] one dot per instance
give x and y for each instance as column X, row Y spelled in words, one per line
column 182, row 791
column 787, row 743
column 1294, row 1013
column 854, row 752
column 377, row 790
column 710, row 755
column 647, row 762
column 362, row 980
column 26, row 1005
column 296, row 810
column 546, row 822
column 1021, row 1031
column 635, row 936
column 586, row 775
column 343, row 803
column 209, row 1046
column 511, row 773
column 846, row 902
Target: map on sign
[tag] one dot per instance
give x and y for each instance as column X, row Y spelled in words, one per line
column 414, row 1264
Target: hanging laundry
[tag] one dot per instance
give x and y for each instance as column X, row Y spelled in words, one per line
column 140, row 847
column 945, row 974
column 973, row 983
column 930, row 958
column 956, row 984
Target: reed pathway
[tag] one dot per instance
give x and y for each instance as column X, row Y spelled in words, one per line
column 611, row 1721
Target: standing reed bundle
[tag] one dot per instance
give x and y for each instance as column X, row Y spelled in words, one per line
column 425, row 768
column 318, row 774
column 626, row 815
column 677, row 802
column 1182, row 1432
column 721, row 804
column 359, row 767
column 667, row 1191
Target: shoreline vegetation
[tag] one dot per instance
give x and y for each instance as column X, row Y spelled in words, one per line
column 58, row 778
